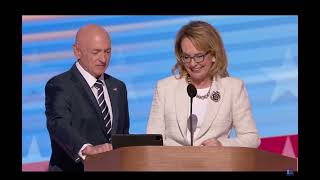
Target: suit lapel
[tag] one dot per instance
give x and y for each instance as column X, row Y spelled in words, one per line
column 84, row 88
column 182, row 103
column 113, row 92
column 212, row 108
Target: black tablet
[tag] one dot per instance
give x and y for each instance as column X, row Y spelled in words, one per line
column 125, row 140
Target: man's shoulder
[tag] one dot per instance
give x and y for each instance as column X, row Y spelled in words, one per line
column 60, row 78
column 60, row 83
column 113, row 80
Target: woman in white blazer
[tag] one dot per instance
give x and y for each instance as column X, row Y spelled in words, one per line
column 221, row 102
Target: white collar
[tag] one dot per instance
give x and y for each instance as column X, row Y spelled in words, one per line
column 88, row 77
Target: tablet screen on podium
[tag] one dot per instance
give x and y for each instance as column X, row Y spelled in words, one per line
column 125, row 140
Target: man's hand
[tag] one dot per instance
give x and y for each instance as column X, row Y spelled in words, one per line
column 211, row 142
column 92, row 150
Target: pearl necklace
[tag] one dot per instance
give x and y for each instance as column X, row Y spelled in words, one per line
column 198, row 96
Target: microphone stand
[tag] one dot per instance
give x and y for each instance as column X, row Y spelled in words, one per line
column 192, row 92
column 191, row 129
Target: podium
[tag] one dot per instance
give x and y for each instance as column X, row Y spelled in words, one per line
column 187, row 158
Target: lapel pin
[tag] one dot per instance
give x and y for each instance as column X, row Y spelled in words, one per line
column 115, row 89
column 215, row 96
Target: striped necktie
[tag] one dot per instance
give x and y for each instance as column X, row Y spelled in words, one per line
column 103, row 106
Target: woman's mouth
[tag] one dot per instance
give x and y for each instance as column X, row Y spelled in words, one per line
column 197, row 69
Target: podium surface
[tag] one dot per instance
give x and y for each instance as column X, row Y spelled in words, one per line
column 186, row 158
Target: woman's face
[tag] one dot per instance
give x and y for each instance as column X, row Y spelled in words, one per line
column 198, row 71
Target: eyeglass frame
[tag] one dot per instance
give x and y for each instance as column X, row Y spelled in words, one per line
column 194, row 58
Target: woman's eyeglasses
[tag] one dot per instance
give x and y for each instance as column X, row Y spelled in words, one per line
column 197, row 58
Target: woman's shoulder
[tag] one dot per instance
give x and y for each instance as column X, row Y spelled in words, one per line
column 168, row 81
column 231, row 81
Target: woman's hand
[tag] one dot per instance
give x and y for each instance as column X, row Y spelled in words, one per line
column 211, row 142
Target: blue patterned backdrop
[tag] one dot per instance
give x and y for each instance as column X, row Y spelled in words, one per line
column 262, row 51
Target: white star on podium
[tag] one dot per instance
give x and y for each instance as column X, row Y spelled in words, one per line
column 288, row 149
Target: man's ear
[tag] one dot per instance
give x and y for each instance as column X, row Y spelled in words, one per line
column 76, row 51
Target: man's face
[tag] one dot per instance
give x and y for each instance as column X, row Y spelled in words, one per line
column 94, row 55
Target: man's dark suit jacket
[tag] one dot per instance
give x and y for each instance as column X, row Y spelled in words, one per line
column 74, row 117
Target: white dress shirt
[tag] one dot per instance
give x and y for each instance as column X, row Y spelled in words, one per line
column 91, row 80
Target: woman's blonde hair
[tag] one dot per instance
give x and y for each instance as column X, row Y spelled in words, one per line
column 205, row 38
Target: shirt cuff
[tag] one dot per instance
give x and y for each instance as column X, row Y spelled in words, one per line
column 80, row 152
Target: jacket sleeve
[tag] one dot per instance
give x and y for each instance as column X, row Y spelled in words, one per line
column 156, row 124
column 58, row 112
column 247, row 133
column 126, row 111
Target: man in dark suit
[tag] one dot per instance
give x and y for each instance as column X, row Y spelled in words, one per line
column 84, row 106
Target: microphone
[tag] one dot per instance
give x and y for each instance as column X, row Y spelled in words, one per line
column 192, row 92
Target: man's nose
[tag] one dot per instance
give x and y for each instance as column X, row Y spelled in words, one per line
column 103, row 59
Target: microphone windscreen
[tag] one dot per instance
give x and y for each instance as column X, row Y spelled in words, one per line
column 192, row 91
